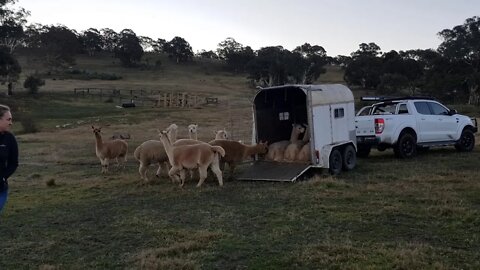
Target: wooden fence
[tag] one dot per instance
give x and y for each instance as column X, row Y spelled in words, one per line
column 146, row 97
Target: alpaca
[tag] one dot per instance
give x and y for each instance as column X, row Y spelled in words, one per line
column 199, row 156
column 236, row 152
column 109, row 150
column 304, row 154
column 152, row 151
column 192, row 131
column 276, row 150
column 221, row 134
column 295, row 146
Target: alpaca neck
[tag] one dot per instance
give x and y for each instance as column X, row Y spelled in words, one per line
column 168, row 148
column 98, row 141
column 193, row 136
column 251, row 150
column 172, row 135
column 306, row 136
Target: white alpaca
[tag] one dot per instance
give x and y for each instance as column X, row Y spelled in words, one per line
column 189, row 157
column 192, row 131
column 276, row 150
column 152, row 151
column 108, row 150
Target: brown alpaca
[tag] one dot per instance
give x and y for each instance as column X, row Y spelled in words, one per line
column 187, row 157
column 108, row 150
column 236, row 152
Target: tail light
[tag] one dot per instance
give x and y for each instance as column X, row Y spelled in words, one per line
column 379, row 125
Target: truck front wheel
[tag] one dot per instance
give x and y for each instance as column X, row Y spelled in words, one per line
column 466, row 142
column 335, row 162
column 406, row 146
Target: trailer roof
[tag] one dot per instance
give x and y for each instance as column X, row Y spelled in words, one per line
column 321, row 93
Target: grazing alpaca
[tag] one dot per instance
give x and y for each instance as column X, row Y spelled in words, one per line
column 277, row 149
column 152, row 151
column 236, row 152
column 187, row 157
column 192, row 131
column 295, row 146
column 109, row 150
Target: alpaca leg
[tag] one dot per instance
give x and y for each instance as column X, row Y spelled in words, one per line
column 202, row 171
column 159, row 170
column 183, row 174
column 142, row 170
column 173, row 173
column 216, row 170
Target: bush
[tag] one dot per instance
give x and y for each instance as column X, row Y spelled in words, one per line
column 33, row 83
column 29, row 125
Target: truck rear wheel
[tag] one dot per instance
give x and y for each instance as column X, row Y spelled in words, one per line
column 349, row 158
column 335, row 162
column 406, row 146
column 466, row 143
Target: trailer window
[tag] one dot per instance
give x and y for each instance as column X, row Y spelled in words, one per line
column 283, row 116
column 339, row 113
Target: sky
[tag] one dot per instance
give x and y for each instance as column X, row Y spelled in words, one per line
column 339, row 26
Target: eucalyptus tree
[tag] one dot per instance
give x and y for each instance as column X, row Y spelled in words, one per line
column 12, row 22
column 179, row 49
column 461, row 45
column 92, row 41
column 366, row 66
column 315, row 58
column 60, row 45
column 128, row 48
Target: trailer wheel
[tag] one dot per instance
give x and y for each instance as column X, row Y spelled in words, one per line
column 349, row 158
column 335, row 162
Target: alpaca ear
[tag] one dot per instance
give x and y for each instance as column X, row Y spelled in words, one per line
column 93, row 127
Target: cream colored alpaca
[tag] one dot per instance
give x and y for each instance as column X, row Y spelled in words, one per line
column 277, row 149
column 192, row 131
column 294, row 147
column 186, row 157
column 221, row 134
column 108, row 150
column 152, row 151
column 236, row 152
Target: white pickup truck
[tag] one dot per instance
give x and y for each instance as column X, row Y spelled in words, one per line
column 412, row 123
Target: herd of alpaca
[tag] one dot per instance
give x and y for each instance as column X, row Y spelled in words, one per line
column 182, row 155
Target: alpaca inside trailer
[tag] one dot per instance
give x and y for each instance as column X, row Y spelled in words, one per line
column 328, row 114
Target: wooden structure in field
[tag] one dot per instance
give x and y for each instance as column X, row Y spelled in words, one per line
column 142, row 97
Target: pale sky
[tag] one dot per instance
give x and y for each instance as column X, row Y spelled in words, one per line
column 339, row 26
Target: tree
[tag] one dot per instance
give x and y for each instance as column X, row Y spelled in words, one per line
column 60, row 45
column 207, row 54
column 179, row 49
column 9, row 69
column 316, row 58
column 92, row 41
column 33, row 83
column 110, row 39
column 462, row 44
column 228, row 46
column 159, row 45
column 128, row 48
column 11, row 25
column 365, row 68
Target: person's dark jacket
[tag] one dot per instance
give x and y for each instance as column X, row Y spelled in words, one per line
column 8, row 158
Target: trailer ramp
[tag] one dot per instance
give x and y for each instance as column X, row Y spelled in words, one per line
column 272, row 171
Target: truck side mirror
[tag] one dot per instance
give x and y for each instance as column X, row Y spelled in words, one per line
column 452, row 112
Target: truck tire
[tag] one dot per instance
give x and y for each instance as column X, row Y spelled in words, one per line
column 466, row 143
column 406, row 146
column 335, row 162
column 363, row 151
column 349, row 158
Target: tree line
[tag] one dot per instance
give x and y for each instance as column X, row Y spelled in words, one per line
column 449, row 72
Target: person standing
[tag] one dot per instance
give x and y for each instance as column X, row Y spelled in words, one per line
column 8, row 153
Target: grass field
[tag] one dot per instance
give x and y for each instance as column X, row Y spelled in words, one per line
column 63, row 214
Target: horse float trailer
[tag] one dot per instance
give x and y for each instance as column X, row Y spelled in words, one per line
column 327, row 111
